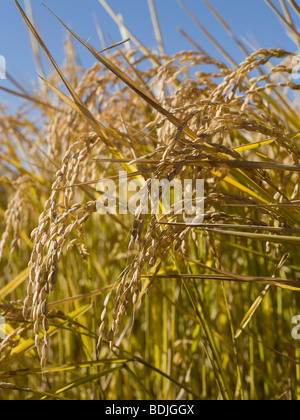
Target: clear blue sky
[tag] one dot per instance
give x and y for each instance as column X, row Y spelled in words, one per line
column 250, row 19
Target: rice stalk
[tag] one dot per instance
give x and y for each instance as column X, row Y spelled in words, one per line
column 147, row 305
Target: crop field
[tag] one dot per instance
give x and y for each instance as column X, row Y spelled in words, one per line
column 110, row 291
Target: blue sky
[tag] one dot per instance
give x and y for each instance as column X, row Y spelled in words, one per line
column 251, row 20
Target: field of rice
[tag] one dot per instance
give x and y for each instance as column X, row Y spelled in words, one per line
column 147, row 306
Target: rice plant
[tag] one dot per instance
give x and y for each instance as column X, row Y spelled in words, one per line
column 148, row 306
